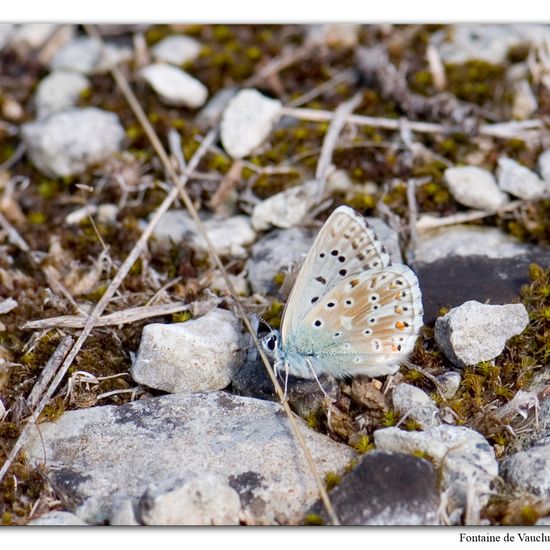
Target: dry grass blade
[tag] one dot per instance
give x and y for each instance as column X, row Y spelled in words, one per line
column 205, row 145
column 130, row 315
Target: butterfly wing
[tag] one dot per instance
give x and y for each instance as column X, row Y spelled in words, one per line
column 366, row 324
column 346, row 245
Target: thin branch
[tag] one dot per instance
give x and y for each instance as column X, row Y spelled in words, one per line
column 130, row 315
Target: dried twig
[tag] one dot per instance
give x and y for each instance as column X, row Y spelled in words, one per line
column 346, row 76
column 118, row 318
column 337, row 123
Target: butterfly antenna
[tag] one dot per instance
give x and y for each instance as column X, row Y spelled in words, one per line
column 248, row 309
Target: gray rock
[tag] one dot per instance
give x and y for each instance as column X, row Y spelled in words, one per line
column 67, row 143
column 475, row 332
column 228, row 235
column 475, row 187
column 206, row 499
column 59, row 91
column 544, row 165
column 176, row 49
column 96, row 453
column 467, row 461
column 287, row 208
column 386, row 489
column 277, row 251
column 174, row 86
column 247, row 121
column 461, row 263
column 411, row 402
column 449, row 383
column 198, row 355
column 85, row 55
column 487, row 42
column 528, row 470
column 520, row 181
column 57, row 518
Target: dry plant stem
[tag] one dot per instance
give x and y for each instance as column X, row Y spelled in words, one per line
column 48, row 371
column 130, row 315
column 206, row 143
column 342, row 77
column 13, row 235
column 341, row 114
column 503, row 130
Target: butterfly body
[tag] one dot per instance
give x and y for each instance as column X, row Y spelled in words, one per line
column 350, row 311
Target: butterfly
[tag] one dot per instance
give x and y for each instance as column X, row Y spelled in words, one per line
column 350, row 310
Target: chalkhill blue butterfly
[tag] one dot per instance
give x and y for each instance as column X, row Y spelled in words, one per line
column 350, row 310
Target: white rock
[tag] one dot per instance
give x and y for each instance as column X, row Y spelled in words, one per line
column 176, row 49
column 449, row 382
column 467, row 461
column 475, row 332
column 57, row 518
column 85, row 55
column 529, row 470
column 201, row 354
column 59, row 91
column 544, row 165
column 525, row 102
column 228, row 235
column 411, row 402
column 247, row 121
column 287, row 208
column 191, row 500
column 67, row 143
column 475, row 187
column 174, row 86
column 520, row 181
column 211, row 113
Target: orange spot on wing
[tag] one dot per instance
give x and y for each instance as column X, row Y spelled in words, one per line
column 400, row 325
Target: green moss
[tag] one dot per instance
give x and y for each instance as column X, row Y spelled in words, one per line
column 313, row 519
column 181, row 317
column 331, row 480
column 363, row 444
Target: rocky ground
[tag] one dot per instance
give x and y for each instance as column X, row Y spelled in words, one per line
column 116, row 330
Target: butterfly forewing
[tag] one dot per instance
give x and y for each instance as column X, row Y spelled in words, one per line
column 344, row 247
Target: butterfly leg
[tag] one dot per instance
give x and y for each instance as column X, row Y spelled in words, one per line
column 310, row 365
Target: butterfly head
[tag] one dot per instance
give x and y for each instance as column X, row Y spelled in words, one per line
column 270, row 343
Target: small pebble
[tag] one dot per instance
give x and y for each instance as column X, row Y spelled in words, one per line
column 200, row 354
column 68, row 143
column 176, row 49
column 411, row 402
column 475, row 332
column 86, row 55
column 475, row 187
column 174, row 86
column 193, row 500
column 529, row 470
column 520, row 181
column 544, row 165
column 449, row 382
column 247, row 121
column 57, row 518
column 287, row 208
column 58, row 91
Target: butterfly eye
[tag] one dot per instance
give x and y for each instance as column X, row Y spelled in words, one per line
column 271, row 343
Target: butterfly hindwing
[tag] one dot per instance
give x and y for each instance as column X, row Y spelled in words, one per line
column 345, row 246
